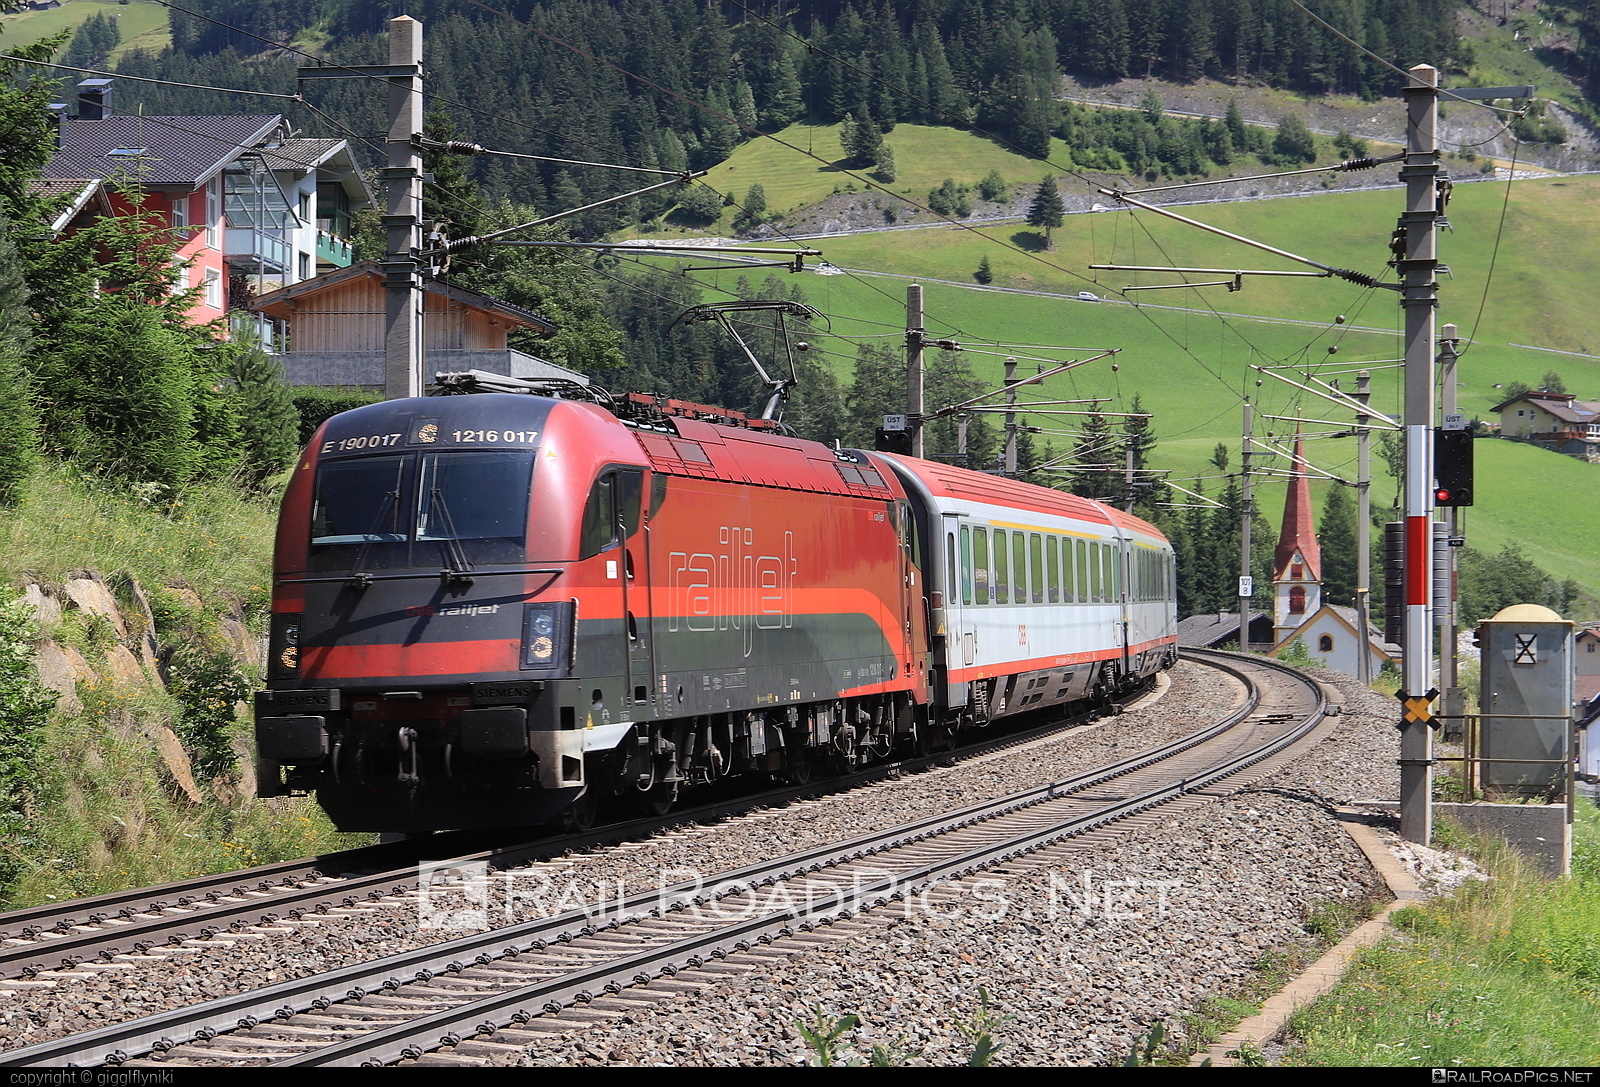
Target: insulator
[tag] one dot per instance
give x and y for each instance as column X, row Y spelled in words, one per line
column 1394, row 581
column 1358, row 164
column 1441, row 574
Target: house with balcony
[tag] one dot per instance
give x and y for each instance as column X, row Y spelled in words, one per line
column 259, row 208
column 333, row 329
column 1559, row 421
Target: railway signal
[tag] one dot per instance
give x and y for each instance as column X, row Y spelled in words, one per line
column 1452, row 467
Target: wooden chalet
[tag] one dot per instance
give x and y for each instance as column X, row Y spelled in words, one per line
column 334, row 328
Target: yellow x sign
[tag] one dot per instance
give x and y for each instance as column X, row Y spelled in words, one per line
column 1418, row 709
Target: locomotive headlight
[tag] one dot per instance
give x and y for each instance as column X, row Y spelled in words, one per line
column 547, row 635
column 283, row 647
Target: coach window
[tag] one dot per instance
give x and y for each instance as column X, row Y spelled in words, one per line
column 1080, row 575
column 966, row 565
column 1095, row 572
column 1036, row 566
column 1053, row 559
column 950, row 564
column 1114, row 571
column 980, row 565
column 1019, row 567
column 1002, row 569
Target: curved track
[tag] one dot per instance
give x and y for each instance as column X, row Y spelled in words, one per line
column 484, row 987
column 61, row 936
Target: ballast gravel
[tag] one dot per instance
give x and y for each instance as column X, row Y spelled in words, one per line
column 1081, row 960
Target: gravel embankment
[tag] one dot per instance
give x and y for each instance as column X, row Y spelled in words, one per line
column 1244, row 881
column 1081, row 985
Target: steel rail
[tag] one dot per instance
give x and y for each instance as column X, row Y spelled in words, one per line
column 64, row 935
column 114, row 1044
column 484, row 1016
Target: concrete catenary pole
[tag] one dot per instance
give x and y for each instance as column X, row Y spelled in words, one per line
column 1246, row 512
column 915, row 368
column 1419, row 298
column 402, row 271
column 1364, row 531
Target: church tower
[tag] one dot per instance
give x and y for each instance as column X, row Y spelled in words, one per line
column 1297, row 563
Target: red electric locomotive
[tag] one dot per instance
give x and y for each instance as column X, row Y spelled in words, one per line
column 498, row 609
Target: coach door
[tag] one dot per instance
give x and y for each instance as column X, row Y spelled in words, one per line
column 960, row 626
column 635, row 533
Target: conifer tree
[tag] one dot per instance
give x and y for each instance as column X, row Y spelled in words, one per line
column 1139, row 437
column 754, row 210
column 19, row 423
column 93, row 42
column 785, row 100
column 268, row 421
column 1094, row 456
column 1294, row 143
column 1337, row 535
column 1047, row 211
column 984, row 274
column 951, row 381
column 877, row 389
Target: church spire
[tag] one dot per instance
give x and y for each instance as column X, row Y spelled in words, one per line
column 1297, row 562
column 1299, row 526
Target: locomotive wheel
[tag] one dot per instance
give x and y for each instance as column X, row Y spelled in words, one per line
column 659, row 800
column 584, row 812
column 799, row 766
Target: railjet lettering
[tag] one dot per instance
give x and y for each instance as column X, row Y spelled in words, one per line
column 734, row 586
column 422, row 610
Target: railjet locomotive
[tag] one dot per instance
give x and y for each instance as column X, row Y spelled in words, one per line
column 506, row 608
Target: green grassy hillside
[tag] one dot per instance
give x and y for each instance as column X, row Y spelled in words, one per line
column 925, row 156
column 1190, row 365
column 143, row 24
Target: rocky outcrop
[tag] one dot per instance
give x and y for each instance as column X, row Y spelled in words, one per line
column 98, row 634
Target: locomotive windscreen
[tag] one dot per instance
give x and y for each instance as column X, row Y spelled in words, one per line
column 428, row 510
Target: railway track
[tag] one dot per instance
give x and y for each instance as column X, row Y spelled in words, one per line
column 40, row 941
column 486, row 992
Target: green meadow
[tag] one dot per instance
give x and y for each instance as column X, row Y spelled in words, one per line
column 1188, row 352
column 143, row 24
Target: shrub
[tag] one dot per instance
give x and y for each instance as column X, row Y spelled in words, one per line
column 316, row 406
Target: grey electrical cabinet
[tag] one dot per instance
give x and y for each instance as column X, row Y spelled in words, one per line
column 1526, row 702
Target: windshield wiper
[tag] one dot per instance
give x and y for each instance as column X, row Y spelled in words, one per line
column 358, row 574
column 455, row 554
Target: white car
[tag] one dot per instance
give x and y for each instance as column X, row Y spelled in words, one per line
column 1085, row 296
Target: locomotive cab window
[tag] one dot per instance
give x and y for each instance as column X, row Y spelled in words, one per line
column 599, row 518
column 420, row 509
column 613, row 512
